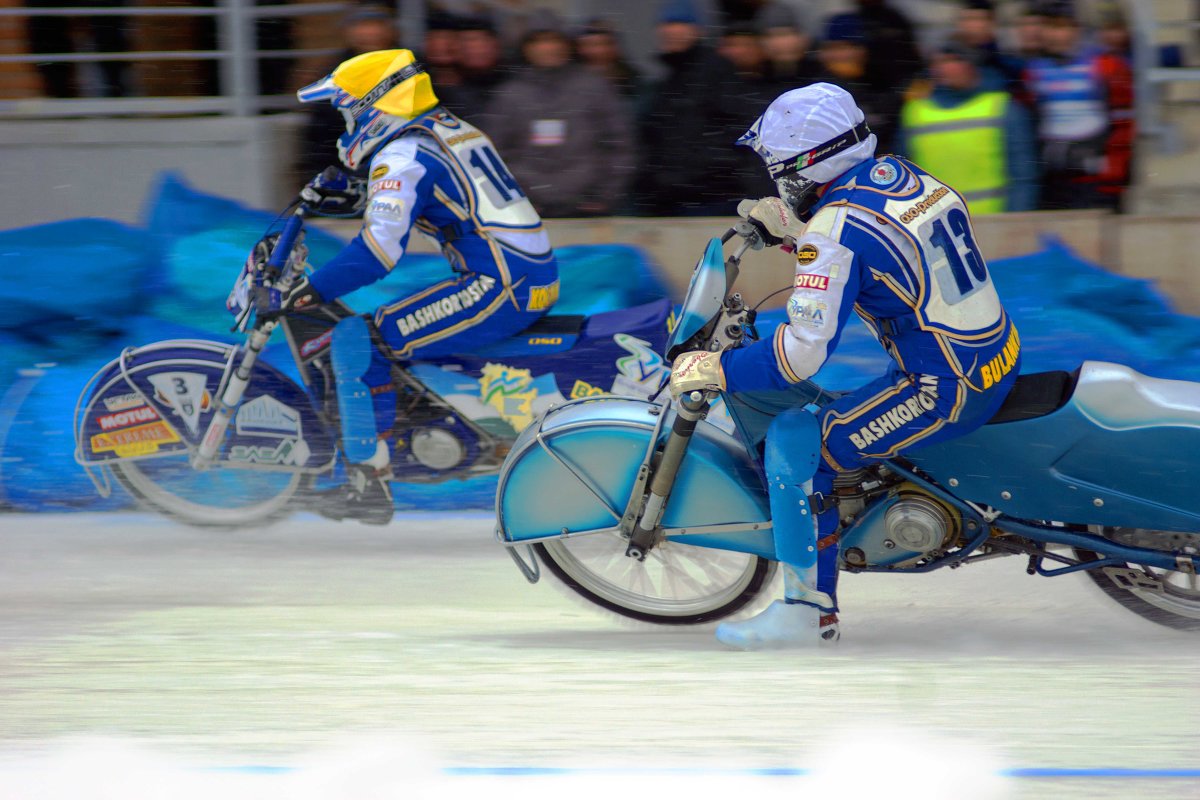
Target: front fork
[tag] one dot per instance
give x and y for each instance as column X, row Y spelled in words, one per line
column 689, row 410
column 231, row 398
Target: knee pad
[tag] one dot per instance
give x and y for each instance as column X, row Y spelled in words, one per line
column 352, row 349
column 793, row 446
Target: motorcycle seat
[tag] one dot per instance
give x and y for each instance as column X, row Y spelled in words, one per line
column 557, row 333
column 1036, row 395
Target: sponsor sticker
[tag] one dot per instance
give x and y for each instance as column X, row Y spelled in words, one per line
column 313, row 345
column 924, row 204
column 184, row 394
column 266, row 416
column 542, row 297
column 388, row 185
column 883, row 174
column 510, row 391
column 289, row 452
column 584, row 389
column 808, row 313
column 124, row 419
column 121, row 402
column 807, row 280
column 459, row 138
column 544, row 340
column 807, row 254
column 379, row 172
column 142, row 440
column 642, row 372
column 391, row 209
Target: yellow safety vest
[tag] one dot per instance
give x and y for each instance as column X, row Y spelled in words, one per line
column 963, row 146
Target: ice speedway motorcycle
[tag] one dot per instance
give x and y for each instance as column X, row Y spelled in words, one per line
column 656, row 511
column 210, row 434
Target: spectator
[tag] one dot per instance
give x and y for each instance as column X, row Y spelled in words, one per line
column 785, row 44
column 694, row 117
column 365, row 29
column 975, row 27
column 564, row 131
column 1115, row 64
column 76, row 34
column 844, row 57
column 1028, row 33
column 439, row 54
column 479, row 59
column 1070, row 85
column 740, row 46
column 600, row 51
column 894, row 60
column 973, row 136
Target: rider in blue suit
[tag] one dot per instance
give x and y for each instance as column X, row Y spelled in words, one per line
column 424, row 168
column 892, row 244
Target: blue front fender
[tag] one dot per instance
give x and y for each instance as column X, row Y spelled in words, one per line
column 576, row 468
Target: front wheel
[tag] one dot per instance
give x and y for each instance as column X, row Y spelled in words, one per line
column 213, row 498
column 677, row 584
column 1165, row 597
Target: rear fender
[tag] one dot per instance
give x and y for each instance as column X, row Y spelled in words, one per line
column 157, row 400
column 573, row 472
column 1123, row 451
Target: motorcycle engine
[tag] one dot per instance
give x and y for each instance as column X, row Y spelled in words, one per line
column 900, row 530
column 437, row 448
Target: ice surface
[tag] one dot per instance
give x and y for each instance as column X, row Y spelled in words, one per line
column 174, row 649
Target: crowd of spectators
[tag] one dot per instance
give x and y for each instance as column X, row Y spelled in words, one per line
column 1034, row 115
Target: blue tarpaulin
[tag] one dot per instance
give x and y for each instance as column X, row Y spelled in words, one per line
column 76, row 292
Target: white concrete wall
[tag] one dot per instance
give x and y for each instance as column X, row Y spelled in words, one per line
column 52, row 170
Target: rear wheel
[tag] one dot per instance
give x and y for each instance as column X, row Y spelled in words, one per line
column 1166, row 597
column 213, row 498
column 677, row 584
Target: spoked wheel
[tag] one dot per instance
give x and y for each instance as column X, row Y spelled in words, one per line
column 213, row 498
column 677, row 584
column 1167, row 597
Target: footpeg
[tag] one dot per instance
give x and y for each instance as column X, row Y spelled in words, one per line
column 1133, row 579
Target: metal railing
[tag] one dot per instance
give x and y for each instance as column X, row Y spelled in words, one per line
column 236, row 54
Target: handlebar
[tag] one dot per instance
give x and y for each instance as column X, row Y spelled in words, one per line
column 287, row 240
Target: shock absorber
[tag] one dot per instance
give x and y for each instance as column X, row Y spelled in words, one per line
column 689, row 411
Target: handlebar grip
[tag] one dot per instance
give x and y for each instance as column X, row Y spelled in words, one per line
column 287, row 240
column 729, row 234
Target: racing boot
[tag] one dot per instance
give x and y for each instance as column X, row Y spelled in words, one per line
column 366, row 495
column 804, row 618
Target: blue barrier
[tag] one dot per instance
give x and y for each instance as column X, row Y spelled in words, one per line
column 105, row 286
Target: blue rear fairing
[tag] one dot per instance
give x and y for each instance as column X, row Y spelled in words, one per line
column 161, row 400
column 1068, row 466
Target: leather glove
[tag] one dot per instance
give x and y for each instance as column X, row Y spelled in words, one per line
column 772, row 220
column 698, row 370
column 333, row 193
column 276, row 301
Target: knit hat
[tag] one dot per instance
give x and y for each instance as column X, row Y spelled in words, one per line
column 844, row 28
column 777, row 15
column 678, row 11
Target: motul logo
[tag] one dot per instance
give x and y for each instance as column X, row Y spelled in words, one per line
column 127, row 418
column 806, row 281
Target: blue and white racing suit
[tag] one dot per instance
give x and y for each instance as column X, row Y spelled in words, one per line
column 894, row 245
column 444, row 177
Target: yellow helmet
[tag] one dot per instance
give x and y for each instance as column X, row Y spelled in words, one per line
column 365, row 89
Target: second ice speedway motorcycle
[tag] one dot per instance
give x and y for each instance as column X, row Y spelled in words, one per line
column 653, row 510
column 210, row 434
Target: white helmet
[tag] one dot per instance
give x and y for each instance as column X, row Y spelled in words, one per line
column 808, row 137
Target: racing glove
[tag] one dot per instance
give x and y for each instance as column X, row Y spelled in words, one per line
column 333, row 193
column 698, row 370
column 772, row 220
column 277, row 301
